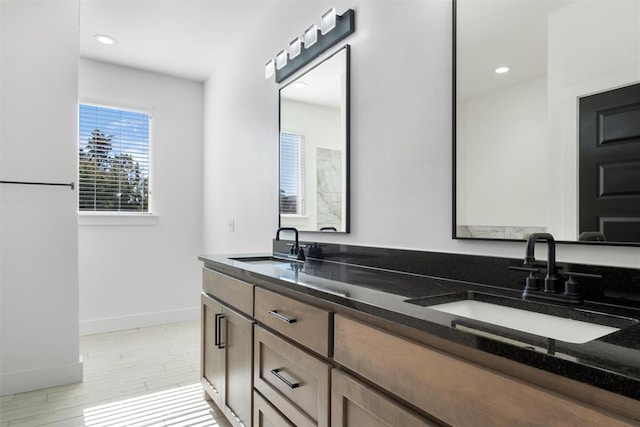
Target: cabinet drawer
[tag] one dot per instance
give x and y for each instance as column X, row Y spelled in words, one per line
column 294, row 381
column 453, row 390
column 265, row 415
column 355, row 404
column 233, row 292
column 301, row 322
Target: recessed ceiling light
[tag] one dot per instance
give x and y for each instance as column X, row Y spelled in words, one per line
column 104, row 39
column 502, row 70
column 300, row 85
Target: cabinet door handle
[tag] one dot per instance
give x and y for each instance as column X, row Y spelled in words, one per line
column 218, row 333
column 282, row 317
column 279, row 376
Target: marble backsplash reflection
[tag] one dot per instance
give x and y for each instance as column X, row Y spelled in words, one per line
column 498, row 231
column 329, row 184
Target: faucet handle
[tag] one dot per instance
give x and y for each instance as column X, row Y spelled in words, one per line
column 571, row 285
column 569, row 274
column 531, row 282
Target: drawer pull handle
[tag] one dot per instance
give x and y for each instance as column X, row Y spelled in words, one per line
column 282, row 317
column 279, row 376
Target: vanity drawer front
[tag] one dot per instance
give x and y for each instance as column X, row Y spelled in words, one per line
column 233, row 292
column 301, row 322
column 265, row 415
column 294, row 381
column 451, row 389
column 355, row 404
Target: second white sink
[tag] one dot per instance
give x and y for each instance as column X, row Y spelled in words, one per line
column 559, row 328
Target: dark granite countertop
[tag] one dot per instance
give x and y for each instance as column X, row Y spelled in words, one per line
column 611, row 362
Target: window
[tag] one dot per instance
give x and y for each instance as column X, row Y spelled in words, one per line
column 292, row 201
column 114, row 160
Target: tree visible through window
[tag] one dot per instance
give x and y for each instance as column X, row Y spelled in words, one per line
column 114, row 160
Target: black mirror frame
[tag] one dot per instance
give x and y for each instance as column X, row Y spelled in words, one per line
column 454, row 158
column 347, row 221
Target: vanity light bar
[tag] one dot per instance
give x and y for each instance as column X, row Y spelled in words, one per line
column 312, row 43
column 281, row 59
column 328, row 21
column 310, row 36
column 295, row 47
column 269, row 68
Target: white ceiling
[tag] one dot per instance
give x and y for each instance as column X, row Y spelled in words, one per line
column 188, row 38
column 185, row 38
column 493, row 33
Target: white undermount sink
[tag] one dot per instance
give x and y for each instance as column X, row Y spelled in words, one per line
column 275, row 262
column 559, row 328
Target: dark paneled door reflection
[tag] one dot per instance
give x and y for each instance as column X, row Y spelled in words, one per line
column 609, row 165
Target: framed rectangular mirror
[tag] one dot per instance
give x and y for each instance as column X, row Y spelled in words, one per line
column 547, row 120
column 314, row 147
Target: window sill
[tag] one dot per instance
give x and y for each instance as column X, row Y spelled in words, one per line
column 117, row 219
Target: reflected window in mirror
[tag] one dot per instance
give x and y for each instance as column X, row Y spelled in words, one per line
column 292, row 174
column 314, row 147
column 527, row 156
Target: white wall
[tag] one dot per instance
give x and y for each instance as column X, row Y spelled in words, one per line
column 142, row 272
column 400, row 138
column 321, row 128
column 39, row 345
column 498, row 189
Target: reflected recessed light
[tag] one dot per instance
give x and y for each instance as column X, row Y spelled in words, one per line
column 104, row 39
column 502, row 70
column 300, row 85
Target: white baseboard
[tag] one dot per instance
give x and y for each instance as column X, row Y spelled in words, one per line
column 111, row 324
column 52, row 376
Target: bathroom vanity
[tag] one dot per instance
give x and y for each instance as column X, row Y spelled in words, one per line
column 359, row 338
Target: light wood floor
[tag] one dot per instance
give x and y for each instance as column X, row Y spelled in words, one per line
column 140, row 377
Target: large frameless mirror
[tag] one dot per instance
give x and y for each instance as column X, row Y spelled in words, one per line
column 314, row 148
column 547, row 120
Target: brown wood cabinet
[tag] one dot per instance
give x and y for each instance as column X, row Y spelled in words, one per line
column 450, row 389
column 354, row 404
column 302, row 366
column 212, row 358
column 227, row 356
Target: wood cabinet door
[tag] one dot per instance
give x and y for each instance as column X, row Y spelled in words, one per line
column 237, row 340
column 212, row 360
column 354, row 404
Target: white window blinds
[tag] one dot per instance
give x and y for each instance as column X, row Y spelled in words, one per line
column 114, row 160
column 292, row 188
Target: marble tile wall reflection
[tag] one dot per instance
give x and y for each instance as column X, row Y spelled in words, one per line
column 329, row 185
column 498, row 231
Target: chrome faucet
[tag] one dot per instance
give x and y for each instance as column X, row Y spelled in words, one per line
column 551, row 281
column 296, row 250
